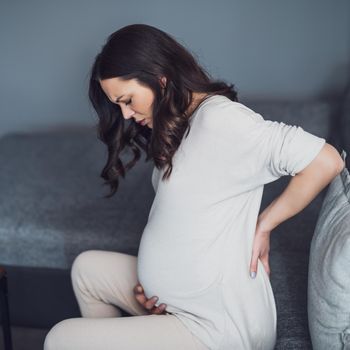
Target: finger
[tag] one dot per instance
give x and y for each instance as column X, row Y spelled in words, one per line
column 265, row 262
column 267, row 268
column 159, row 309
column 141, row 298
column 138, row 288
column 150, row 303
column 253, row 265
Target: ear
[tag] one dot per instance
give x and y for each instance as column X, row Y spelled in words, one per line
column 162, row 81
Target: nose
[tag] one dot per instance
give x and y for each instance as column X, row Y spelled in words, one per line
column 127, row 112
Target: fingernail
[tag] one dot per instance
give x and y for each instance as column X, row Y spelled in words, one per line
column 252, row 274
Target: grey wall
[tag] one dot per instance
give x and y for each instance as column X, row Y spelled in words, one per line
column 269, row 49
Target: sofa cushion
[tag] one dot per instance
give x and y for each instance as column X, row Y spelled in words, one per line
column 345, row 124
column 289, row 284
column 52, row 204
column 329, row 279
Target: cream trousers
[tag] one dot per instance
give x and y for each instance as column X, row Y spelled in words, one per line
column 103, row 283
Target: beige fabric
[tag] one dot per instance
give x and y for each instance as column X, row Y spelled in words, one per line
column 103, row 283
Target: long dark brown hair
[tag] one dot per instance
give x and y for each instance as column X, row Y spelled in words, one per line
column 145, row 53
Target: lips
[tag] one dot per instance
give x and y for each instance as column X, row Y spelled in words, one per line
column 142, row 122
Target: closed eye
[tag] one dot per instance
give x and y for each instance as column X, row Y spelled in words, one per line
column 126, row 103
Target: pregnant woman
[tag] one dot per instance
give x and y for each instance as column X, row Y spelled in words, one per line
column 205, row 249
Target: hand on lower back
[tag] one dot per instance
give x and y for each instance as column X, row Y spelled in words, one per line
column 261, row 248
column 148, row 304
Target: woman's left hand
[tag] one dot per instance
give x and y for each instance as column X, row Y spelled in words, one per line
column 261, row 248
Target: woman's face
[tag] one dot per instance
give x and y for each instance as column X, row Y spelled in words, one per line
column 135, row 100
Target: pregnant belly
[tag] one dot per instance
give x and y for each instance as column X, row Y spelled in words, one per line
column 175, row 269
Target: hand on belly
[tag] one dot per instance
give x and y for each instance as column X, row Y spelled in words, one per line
column 148, row 304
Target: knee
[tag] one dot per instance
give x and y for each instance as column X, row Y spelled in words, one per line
column 57, row 337
column 83, row 263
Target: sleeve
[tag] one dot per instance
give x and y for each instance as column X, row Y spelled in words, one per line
column 285, row 149
column 258, row 151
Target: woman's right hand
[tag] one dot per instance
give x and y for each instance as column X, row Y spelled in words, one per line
column 148, row 304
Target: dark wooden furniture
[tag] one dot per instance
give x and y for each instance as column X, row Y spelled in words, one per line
column 4, row 310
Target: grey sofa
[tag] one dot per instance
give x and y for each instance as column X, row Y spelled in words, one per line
column 52, row 208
